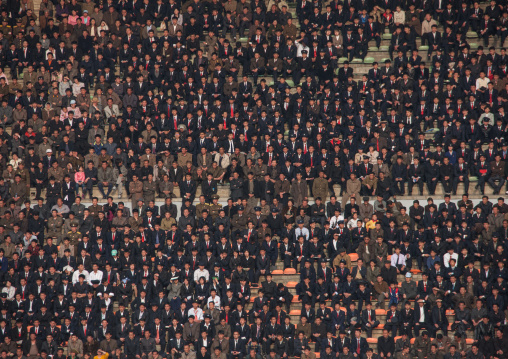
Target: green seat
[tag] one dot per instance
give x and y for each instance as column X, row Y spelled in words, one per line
column 433, row 130
column 473, row 179
column 387, row 36
column 368, row 60
column 384, row 48
column 244, row 39
column 423, row 48
column 471, row 35
column 356, row 61
column 286, row 133
column 342, row 60
column 21, row 76
column 473, row 45
column 383, row 60
column 290, row 83
column 373, row 48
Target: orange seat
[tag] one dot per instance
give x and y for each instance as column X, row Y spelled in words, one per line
column 354, row 257
column 380, row 326
column 291, row 284
column 295, row 299
column 153, row 259
column 318, row 354
column 289, row 271
column 295, row 312
column 400, row 284
column 372, row 340
column 277, row 272
column 412, row 341
column 450, row 312
column 380, row 312
column 58, row 247
column 415, row 271
column 469, row 341
column 389, row 257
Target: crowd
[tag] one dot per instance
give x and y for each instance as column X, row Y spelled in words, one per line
column 155, row 101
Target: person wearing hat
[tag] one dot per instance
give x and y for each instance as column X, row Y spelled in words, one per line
column 408, row 289
column 342, row 256
column 439, row 319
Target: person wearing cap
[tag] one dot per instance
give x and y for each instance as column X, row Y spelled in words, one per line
column 408, row 289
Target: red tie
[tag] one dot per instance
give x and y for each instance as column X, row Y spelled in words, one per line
column 358, row 347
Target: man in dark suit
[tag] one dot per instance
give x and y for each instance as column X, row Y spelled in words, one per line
column 461, row 174
column 237, row 347
column 386, row 345
column 421, row 317
column 369, row 321
column 393, row 319
column 415, row 175
column 483, row 172
column 349, row 44
column 343, row 341
column 188, row 188
column 399, row 175
column 359, row 344
column 438, row 319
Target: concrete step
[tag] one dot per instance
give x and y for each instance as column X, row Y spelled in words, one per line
column 224, row 192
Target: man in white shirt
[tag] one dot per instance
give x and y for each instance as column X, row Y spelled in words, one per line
column 196, row 311
column 301, row 230
column 96, row 276
column 201, row 272
column 449, row 255
column 398, row 261
column 81, row 270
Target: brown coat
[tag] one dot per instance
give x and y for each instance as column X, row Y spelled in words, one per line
column 136, row 190
column 497, row 169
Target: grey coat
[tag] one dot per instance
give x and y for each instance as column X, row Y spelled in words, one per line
column 409, row 289
column 105, row 175
column 299, row 190
column 174, row 290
